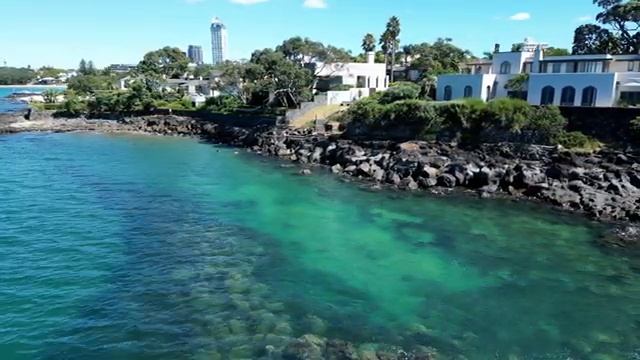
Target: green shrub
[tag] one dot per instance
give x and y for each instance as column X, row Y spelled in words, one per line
column 462, row 115
column 223, row 104
column 400, row 91
column 184, row 103
column 417, row 113
column 547, row 121
column 73, row 105
column 367, row 111
column 578, row 141
column 508, row 114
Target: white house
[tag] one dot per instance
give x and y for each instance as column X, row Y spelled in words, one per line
column 359, row 79
column 575, row 80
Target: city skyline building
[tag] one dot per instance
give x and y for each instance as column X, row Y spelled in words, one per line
column 195, row 54
column 219, row 41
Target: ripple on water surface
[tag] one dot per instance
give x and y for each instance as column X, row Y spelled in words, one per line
column 160, row 248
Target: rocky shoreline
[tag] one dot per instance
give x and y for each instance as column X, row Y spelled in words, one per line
column 604, row 186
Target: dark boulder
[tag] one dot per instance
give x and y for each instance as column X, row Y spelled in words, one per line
column 447, row 180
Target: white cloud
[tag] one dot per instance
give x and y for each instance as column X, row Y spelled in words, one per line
column 521, row 16
column 315, row 4
column 584, row 18
column 248, row 2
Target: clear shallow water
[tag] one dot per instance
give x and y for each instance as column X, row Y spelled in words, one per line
column 161, row 248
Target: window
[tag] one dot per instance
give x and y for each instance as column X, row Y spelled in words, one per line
column 488, row 92
column 361, row 81
column 527, row 67
column 468, row 91
column 478, row 69
column 548, row 95
column 631, row 98
column 589, row 96
column 447, row 93
column 556, row 67
column 571, row 67
column 505, row 68
column 590, row 66
column 568, row 97
column 377, row 82
column 630, row 66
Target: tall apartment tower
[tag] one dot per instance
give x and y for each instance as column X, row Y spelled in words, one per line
column 219, row 41
column 195, row 54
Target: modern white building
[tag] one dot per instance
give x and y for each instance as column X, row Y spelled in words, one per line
column 576, row 80
column 351, row 81
column 219, row 41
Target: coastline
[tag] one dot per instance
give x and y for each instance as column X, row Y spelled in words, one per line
column 32, row 86
column 601, row 187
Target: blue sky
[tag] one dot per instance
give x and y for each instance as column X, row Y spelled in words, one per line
column 61, row 32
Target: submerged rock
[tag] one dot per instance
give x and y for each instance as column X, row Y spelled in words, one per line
column 308, row 347
column 624, row 236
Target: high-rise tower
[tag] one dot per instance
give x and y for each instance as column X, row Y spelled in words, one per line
column 195, row 54
column 219, row 41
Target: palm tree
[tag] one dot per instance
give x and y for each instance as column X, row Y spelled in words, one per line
column 392, row 39
column 369, row 43
column 385, row 45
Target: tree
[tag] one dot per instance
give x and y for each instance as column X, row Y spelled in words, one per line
column 594, row 39
column 391, row 41
column 16, row 76
column 618, row 30
column 517, row 86
column 239, row 80
column 285, row 81
column 90, row 84
column 82, row 67
column 623, row 17
column 441, row 57
column 91, row 69
column 167, row 62
column 552, row 51
column 517, row 47
column 204, row 71
column 304, row 51
column 49, row 72
column 369, row 43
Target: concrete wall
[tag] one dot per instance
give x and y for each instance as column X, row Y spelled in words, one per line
column 375, row 74
column 483, row 86
column 516, row 59
column 603, row 82
column 347, row 96
column 458, row 82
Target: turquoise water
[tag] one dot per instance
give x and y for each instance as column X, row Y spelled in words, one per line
column 132, row 247
column 7, row 105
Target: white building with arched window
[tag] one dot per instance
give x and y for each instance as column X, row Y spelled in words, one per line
column 576, row 80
